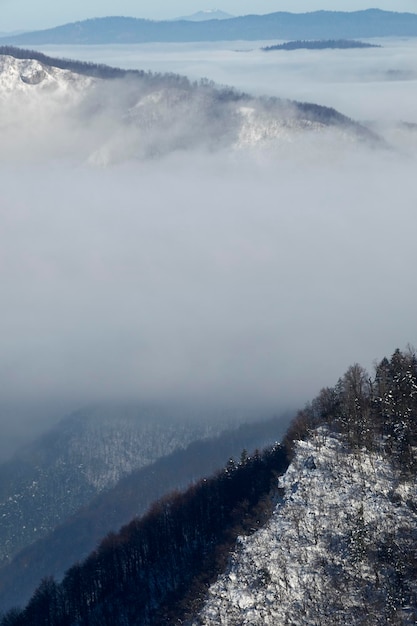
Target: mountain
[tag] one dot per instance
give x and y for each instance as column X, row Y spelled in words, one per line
column 320, row 529
column 339, row 545
column 209, row 14
column 105, row 115
column 85, row 454
column 172, row 544
column 79, row 533
column 281, row 25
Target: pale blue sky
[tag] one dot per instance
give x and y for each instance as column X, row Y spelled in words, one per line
column 29, row 15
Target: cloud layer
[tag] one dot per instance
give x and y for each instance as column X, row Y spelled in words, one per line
column 202, row 274
column 235, row 278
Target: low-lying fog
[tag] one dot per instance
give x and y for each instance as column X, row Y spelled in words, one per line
column 246, row 279
column 372, row 83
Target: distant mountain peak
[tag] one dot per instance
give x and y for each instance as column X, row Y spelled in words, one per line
column 206, row 14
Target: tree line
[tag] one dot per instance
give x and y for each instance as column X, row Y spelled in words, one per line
column 373, row 412
column 320, row 44
column 142, row 574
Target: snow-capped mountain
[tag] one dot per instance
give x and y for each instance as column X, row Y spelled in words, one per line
column 207, row 14
column 101, row 115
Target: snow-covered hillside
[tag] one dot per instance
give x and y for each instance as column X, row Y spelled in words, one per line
column 31, row 77
column 338, row 549
column 102, row 116
column 34, row 97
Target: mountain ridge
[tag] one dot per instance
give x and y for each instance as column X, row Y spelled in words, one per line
column 280, row 25
column 161, row 113
column 84, row 455
column 77, row 535
column 349, row 457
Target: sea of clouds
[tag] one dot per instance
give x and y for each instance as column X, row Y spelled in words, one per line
column 238, row 278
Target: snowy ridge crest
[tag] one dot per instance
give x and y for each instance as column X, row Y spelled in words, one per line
column 29, row 75
column 141, row 116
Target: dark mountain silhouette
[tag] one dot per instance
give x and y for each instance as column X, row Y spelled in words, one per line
column 281, row 25
column 320, row 44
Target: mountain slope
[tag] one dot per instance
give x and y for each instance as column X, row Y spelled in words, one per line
column 282, row 25
column 333, row 542
column 340, row 545
column 145, row 568
column 85, row 454
column 334, row 546
column 79, row 534
column 104, row 115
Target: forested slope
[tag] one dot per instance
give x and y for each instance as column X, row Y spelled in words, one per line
column 332, row 541
column 84, row 454
column 141, row 574
column 340, row 546
column 76, row 536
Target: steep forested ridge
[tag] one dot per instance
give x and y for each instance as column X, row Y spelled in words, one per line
column 341, row 545
column 332, row 542
column 139, row 575
column 76, row 536
column 85, row 454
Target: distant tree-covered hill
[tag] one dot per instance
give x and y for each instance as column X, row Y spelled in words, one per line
column 281, row 25
column 85, row 454
column 320, row 44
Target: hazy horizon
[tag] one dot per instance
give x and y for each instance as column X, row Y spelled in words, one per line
column 23, row 15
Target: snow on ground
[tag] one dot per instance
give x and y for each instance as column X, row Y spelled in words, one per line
column 31, row 78
column 314, row 563
column 48, row 111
